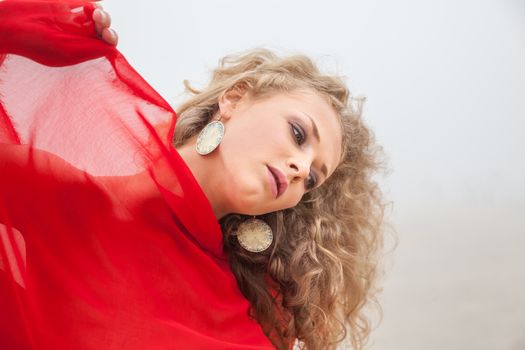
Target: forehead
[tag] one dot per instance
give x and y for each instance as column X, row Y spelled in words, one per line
column 312, row 107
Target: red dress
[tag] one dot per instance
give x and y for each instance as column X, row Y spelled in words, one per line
column 106, row 239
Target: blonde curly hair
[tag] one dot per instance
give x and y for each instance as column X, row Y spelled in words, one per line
column 321, row 271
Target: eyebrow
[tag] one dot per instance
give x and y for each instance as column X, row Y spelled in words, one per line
column 314, row 127
column 324, row 170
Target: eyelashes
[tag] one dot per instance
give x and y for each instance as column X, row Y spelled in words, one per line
column 299, row 136
column 311, row 181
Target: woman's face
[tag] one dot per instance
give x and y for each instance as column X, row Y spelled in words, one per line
column 275, row 149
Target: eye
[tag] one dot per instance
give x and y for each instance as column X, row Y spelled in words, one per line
column 311, row 181
column 298, row 134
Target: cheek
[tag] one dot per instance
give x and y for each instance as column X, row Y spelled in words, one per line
column 242, row 139
column 292, row 198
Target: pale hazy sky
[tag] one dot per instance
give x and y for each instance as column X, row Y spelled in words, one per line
column 445, row 88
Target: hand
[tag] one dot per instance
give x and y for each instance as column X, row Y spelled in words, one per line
column 102, row 26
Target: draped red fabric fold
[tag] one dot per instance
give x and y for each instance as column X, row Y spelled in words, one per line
column 106, row 239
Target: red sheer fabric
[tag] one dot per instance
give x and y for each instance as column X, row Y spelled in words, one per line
column 106, row 239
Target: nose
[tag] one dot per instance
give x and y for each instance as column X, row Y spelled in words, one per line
column 299, row 168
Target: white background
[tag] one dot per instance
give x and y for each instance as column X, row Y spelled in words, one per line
column 445, row 88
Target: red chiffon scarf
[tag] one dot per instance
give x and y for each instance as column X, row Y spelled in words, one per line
column 106, row 239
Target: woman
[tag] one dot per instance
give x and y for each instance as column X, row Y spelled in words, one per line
column 252, row 224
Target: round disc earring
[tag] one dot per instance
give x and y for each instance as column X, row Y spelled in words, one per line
column 255, row 235
column 210, row 137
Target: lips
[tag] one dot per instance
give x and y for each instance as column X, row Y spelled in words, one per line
column 279, row 181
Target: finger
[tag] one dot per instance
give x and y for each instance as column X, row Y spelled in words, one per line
column 102, row 20
column 101, row 17
column 97, row 18
column 110, row 36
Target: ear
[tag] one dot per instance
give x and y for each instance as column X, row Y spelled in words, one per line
column 230, row 99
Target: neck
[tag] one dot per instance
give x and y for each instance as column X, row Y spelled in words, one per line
column 202, row 169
